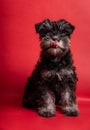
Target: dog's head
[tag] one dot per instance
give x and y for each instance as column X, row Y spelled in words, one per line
column 55, row 36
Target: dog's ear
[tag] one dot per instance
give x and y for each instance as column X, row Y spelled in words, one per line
column 43, row 27
column 65, row 27
column 37, row 27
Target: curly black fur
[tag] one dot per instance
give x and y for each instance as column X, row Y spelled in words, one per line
column 53, row 81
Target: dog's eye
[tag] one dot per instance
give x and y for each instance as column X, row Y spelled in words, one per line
column 65, row 32
column 44, row 32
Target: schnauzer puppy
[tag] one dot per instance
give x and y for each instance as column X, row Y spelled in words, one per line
column 53, row 81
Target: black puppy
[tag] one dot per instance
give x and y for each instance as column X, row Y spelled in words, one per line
column 53, row 82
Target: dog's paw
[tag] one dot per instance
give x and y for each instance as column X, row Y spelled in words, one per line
column 46, row 113
column 70, row 111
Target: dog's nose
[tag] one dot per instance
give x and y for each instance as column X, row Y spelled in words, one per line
column 54, row 44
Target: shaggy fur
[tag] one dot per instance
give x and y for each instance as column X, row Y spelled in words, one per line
column 53, row 81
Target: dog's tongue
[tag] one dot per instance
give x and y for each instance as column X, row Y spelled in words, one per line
column 54, row 44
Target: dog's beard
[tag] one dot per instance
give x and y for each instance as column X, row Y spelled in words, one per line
column 55, row 47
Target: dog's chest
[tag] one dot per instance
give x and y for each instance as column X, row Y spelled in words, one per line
column 52, row 75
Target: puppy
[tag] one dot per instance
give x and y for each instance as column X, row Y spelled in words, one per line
column 53, row 81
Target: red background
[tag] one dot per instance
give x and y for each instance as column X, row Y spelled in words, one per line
column 19, row 52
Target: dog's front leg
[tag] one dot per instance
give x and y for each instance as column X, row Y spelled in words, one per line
column 46, row 104
column 69, row 104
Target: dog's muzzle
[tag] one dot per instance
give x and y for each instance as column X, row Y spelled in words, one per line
column 55, row 45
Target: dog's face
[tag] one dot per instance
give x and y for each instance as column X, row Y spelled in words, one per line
column 55, row 36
